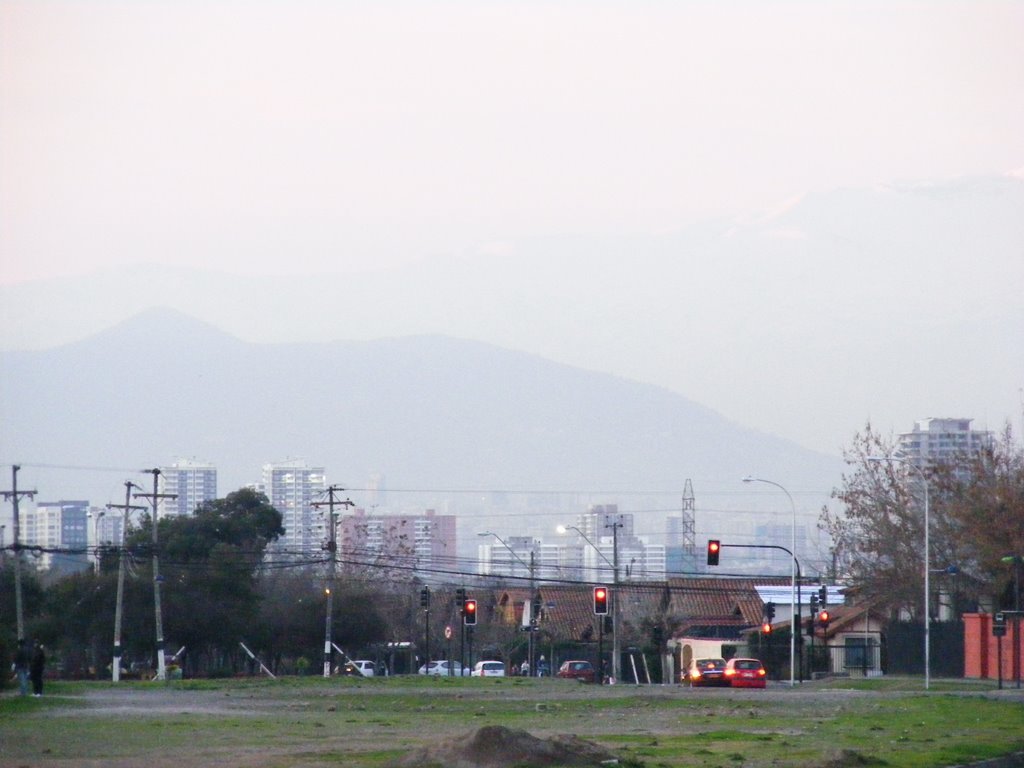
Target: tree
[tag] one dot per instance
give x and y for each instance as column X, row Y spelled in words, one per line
column 985, row 496
column 210, row 562
column 878, row 536
column 976, row 513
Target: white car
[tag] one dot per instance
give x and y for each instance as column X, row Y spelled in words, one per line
column 444, row 669
column 363, row 667
column 489, row 669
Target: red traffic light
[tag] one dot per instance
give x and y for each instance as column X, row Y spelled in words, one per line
column 823, row 618
column 601, row 601
column 469, row 612
column 766, row 628
column 714, row 546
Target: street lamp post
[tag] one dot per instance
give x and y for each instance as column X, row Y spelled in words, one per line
column 533, row 619
column 927, row 570
column 615, row 597
column 793, row 624
column 96, row 516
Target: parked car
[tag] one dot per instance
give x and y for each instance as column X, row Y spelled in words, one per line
column 745, row 673
column 488, row 669
column 444, row 668
column 703, row 672
column 359, row 667
column 577, row 670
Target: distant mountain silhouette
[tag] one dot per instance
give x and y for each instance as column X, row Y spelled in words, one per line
column 427, row 412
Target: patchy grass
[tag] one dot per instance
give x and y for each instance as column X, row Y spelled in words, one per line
column 366, row 723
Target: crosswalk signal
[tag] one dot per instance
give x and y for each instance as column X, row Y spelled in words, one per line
column 601, row 601
column 469, row 612
column 713, row 549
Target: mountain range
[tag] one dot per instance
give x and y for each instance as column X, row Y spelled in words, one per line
column 452, row 424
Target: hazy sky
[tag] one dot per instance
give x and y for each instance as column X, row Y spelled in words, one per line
column 348, row 133
column 304, row 137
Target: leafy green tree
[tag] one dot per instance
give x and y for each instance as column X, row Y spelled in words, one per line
column 210, row 562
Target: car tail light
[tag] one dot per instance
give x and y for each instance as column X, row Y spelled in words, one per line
column 695, row 675
column 761, row 672
column 730, row 672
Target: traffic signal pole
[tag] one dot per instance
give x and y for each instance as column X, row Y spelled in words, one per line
column 795, row 618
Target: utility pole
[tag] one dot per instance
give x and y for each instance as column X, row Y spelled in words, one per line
column 616, row 594
column 14, row 495
column 332, row 547
column 154, row 498
column 127, row 508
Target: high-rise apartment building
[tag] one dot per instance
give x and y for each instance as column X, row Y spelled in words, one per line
column 413, row 542
column 518, row 557
column 942, row 440
column 606, row 539
column 54, row 526
column 292, row 487
column 191, row 481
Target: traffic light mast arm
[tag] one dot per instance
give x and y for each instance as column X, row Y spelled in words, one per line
column 767, row 546
column 794, row 620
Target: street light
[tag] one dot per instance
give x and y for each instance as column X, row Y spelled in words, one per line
column 562, row 529
column 792, row 600
column 927, row 570
column 533, row 619
column 96, row 535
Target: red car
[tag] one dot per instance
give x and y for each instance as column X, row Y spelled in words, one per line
column 578, row 670
column 745, row 673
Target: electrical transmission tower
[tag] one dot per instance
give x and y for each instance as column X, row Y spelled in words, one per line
column 689, row 541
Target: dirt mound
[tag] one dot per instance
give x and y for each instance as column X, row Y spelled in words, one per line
column 495, row 746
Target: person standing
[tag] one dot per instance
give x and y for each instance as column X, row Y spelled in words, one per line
column 22, row 659
column 36, row 669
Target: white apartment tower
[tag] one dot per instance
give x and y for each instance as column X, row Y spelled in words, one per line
column 938, row 440
column 57, row 525
column 193, row 483
column 292, row 487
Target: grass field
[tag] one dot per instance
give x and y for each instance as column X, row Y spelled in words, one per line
column 295, row 722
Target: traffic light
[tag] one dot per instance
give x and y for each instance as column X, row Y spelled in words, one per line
column 823, row 595
column 823, row 619
column 425, row 597
column 814, row 610
column 769, row 612
column 460, row 596
column 999, row 625
column 601, row 601
column 766, row 628
column 469, row 612
column 713, row 548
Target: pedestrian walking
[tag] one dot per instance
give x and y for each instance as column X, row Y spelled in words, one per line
column 36, row 668
column 22, row 659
